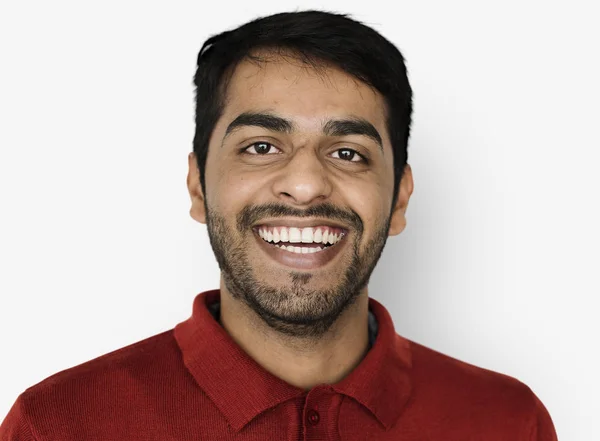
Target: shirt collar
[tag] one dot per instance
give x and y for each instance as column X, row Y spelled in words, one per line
column 241, row 388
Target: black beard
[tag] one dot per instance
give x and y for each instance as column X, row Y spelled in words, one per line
column 292, row 310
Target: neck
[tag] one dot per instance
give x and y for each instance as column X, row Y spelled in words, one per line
column 301, row 362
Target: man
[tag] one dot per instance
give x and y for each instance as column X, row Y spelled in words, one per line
column 299, row 172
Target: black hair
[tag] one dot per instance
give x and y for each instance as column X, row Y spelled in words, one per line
column 318, row 38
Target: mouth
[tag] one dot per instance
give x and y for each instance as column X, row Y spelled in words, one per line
column 308, row 247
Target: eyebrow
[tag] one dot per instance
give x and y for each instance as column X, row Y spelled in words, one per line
column 353, row 126
column 264, row 120
column 335, row 127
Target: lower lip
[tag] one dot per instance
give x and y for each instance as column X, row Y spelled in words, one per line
column 301, row 261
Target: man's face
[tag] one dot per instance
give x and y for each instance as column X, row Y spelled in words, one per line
column 299, row 181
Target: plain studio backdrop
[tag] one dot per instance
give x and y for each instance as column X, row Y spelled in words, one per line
column 498, row 265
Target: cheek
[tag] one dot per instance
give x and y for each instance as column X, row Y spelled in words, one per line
column 369, row 201
column 234, row 190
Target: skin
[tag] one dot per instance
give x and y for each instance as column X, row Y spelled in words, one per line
column 307, row 327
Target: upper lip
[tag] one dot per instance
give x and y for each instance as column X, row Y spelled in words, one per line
column 300, row 223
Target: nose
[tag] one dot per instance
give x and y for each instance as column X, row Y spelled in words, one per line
column 304, row 179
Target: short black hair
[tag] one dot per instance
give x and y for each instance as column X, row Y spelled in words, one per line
column 318, row 38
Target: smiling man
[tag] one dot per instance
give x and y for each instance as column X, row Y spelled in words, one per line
column 300, row 173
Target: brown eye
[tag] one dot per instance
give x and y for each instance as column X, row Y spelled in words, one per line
column 349, row 155
column 260, row 148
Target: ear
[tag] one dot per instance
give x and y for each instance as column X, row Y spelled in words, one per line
column 198, row 210
column 398, row 219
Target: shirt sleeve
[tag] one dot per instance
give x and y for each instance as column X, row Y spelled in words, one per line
column 543, row 428
column 15, row 426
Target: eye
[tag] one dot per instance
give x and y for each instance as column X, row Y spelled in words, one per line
column 260, row 148
column 347, row 154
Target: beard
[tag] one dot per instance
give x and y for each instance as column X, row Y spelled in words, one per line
column 293, row 309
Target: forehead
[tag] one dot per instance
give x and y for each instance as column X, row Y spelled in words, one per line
column 298, row 91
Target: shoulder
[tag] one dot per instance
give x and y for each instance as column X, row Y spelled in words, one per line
column 476, row 396
column 116, row 365
column 106, row 385
column 445, row 370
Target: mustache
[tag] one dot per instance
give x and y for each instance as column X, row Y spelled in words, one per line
column 252, row 214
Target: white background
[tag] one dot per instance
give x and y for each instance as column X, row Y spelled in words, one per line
column 498, row 265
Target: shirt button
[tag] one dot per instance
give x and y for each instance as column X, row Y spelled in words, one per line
column 313, row 417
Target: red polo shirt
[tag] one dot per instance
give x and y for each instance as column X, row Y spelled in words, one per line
column 194, row 383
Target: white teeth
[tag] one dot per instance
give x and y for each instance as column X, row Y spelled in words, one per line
column 284, row 234
column 299, row 235
column 309, row 250
column 307, row 235
column 295, row 236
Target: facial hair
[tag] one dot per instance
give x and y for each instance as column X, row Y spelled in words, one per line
column 293, row 310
